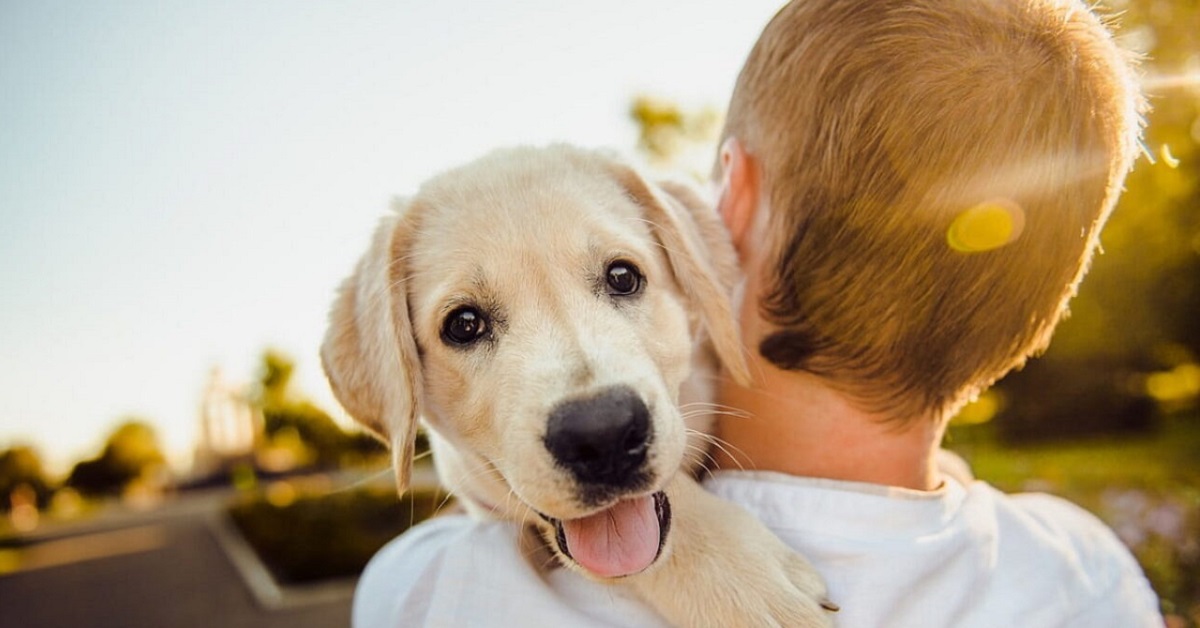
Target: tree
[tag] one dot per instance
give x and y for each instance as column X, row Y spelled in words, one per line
column 21, row 466
column 275, row 377
column 130, row 453
column 287, row 416
column 674, row 138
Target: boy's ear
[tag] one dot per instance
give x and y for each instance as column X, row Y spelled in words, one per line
column 369, row 353
column 738, row 200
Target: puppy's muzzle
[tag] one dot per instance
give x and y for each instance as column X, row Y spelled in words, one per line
column 603, row 439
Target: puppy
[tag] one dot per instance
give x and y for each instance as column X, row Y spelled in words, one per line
column 542, row 310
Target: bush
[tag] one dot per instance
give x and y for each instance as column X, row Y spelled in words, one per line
column 332, row 535
column 1068, row 398
column 21, row 470
column 131, row 452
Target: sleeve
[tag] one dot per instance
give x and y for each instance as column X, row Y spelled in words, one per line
column 1130, row 604
column 1121, row 596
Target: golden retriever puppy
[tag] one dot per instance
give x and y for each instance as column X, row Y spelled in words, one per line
column 543, row 311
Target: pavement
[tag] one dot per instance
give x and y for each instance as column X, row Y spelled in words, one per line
column 181, row 565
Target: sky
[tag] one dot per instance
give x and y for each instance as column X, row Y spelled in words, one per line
column 183, row 184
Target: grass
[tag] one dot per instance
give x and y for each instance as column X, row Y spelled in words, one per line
column 1146, row 487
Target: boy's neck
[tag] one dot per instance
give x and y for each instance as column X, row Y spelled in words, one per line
column 794, row 423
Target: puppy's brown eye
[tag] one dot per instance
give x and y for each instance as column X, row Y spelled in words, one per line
column 464, row 326
column 623, row 279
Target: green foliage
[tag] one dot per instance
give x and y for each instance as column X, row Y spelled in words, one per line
column 1069, row 396
column 131, row 452
column 21, row 466
column 275, row 376
column 327, row 536
column 289, row 418
column 133, row 447
column 676, row 138
column 331, row 446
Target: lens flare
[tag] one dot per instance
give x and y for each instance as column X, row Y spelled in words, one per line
column 1170, row 160
column 986, row 226
column 1164, row 82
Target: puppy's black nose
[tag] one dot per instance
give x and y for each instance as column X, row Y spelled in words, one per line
column 601, row 439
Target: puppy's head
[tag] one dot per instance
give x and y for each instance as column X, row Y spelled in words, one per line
column 539, row 309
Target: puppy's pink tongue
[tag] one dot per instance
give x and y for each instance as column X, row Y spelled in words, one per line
column 616, row 542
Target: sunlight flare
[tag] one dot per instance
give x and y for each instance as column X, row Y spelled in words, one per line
column 1170, row 160
column 986, row 226
column 1164, row 82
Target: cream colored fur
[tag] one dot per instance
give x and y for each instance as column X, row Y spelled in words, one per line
column 528, row 233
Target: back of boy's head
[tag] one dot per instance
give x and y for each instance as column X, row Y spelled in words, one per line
column 937, row 173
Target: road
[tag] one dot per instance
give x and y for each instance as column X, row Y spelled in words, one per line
column 164, row 569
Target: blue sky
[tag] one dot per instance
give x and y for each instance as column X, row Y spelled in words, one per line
column 184, row 183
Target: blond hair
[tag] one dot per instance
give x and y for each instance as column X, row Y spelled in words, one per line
column 877, row 124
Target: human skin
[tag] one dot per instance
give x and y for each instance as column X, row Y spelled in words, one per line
column 794, row 422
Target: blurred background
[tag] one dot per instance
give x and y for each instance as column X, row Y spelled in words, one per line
column 183, row 185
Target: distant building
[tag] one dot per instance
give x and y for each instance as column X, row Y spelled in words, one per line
column 230, row 427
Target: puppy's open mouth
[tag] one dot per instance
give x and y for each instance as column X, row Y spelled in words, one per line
column 620, row 540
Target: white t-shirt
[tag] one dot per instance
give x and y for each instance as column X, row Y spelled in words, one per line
column 965, row 555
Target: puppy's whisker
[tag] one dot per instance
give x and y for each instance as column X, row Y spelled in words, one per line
column 703, row 453
column 670, row 251
column 712, row 413
column 713, row 409
column 713, row 406
column 705, row 405
column 707, row 460
column 484, row 471
column 525, row 512
column 711, row 377
column 487, row 472
column 445, row 500
column 364, row 481
column 730, row 450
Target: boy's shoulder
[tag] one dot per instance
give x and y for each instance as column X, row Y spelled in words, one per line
column 1090, row 563
column 964, row 555
column 1074, row 533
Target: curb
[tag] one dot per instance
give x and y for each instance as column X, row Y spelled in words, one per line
column 269, row 594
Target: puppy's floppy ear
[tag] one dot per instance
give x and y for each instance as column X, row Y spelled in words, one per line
column 702, row 259
column 369, row 353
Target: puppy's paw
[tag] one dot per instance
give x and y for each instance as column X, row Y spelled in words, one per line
column 810, row 606
column 724, row 568
column 750, row 578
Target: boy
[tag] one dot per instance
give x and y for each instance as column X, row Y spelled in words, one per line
column 914, row 188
